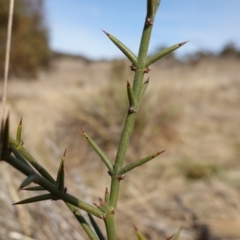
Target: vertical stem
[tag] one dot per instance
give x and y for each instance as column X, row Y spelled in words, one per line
column 152, row 6
column 76, row 212
column 131, row 117
column 110, row 227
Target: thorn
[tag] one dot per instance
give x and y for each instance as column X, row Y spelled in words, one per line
column 147, row 70
column 96, row 205
column 106, row 33
column 84, row 133
column 170, row 237
column 64, row 190
column 128, row 84
column 148, row 80
column 158, row 153
column 64, row 154
column 102, row 202
column 149, row 22
column 75, row 210
column 106, row 191
column 20, row 123
column 182, row 43
column 135, row 228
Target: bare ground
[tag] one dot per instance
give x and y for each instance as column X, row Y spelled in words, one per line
column 190, row 110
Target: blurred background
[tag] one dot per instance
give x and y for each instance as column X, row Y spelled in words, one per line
column 65, row 75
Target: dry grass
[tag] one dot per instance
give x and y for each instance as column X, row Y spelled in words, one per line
column 191, row 111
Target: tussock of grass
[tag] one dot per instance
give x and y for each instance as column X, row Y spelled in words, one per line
column 196, row 170
column 103, row 119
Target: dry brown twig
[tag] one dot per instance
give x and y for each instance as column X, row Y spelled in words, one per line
column 7, row 57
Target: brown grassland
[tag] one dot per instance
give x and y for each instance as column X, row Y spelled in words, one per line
column 190, row 110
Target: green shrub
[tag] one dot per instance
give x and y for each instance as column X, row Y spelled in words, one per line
column 13, row 151
column 29, row 47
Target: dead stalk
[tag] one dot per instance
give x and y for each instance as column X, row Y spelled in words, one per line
column 7, row 57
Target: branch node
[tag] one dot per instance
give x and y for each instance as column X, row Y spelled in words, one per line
column 121, row 177
column 74, row 211
column 149, row 22
column 103, row 216
column 147, row 70
column 133, row 68
column 36, row 180
column 132, row 110
column 112, row 212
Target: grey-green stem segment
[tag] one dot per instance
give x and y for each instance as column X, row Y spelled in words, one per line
column 131, row 117
column 52, row 188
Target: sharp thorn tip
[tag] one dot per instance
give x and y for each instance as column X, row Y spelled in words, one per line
column 65, row 152
column 106, row 33
column 182, row 43
column 135, row 228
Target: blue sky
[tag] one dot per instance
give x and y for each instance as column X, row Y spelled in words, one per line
column 75, row 25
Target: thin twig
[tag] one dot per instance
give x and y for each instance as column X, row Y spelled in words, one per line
column 7, row 56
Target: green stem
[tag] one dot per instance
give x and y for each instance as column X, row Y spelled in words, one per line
column 126, row 135
column 110, row 227
column 152, row 6
column 52, row 188
column 96, row 227
column 114, row 192
column 99, row 151
column 91, row 234
column 131, row 117
column 31, row 160
column 138, row 163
